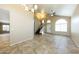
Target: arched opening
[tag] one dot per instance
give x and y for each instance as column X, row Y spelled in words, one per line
column 61, row 25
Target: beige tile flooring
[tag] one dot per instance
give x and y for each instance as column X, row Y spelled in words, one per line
column 44, row 44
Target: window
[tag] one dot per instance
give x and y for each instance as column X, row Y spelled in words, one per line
column 5, row 27
column 61, row 25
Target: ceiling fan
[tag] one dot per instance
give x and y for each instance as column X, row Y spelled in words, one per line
column 52, row 13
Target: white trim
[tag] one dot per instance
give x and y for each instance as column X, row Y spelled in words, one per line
column 11, row 44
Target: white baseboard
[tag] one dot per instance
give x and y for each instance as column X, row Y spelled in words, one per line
column 30, row 38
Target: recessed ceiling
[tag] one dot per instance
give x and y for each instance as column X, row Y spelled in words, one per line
column 60, row 9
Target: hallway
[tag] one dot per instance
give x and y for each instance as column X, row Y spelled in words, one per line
column 52, row 44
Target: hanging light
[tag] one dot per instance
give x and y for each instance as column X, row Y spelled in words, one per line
column 42, row 21
column 31, row 9
column 35, row 7
column 48, row 21
column 26, row 8
column 41, row 15
column 51, row 14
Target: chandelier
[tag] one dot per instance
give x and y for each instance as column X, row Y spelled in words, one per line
column 30, row 7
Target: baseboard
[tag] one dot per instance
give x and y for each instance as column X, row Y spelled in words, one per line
column 11, row 44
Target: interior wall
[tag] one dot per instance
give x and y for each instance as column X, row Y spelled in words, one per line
column 55, row 18
column 75, row 26
column 21, row 23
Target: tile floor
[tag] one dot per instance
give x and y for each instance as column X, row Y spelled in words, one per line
column 43, row 44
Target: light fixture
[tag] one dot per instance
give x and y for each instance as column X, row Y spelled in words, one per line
column 35, row 7
column 42, row 21
column 41, row 15
column 48, row 21
column 30, row 8
column 52, row 13
column 26, row 8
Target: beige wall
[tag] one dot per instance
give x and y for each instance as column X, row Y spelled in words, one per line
column 75, row 26
column 21, row 23
column 55, row 18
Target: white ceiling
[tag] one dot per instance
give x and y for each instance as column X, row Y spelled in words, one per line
column 60, row 9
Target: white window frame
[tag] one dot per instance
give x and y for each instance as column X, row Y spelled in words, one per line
column 61, row 25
